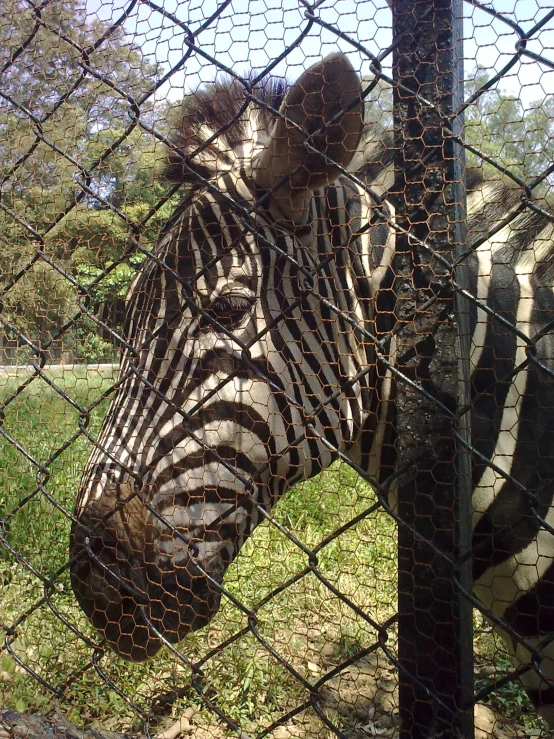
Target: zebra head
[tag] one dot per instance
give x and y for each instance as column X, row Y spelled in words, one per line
column 238, row 373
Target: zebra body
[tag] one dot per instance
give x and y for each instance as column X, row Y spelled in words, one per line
column 256, row 361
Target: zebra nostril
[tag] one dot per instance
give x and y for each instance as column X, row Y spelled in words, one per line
column 164, row 563
column 171, row 552
column 194, row 550
column 138, row 485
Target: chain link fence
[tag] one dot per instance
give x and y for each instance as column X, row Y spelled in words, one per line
column 310, row 638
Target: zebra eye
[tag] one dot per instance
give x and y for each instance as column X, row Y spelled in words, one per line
column 229, row 310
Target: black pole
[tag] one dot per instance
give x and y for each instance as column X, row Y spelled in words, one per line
column 434, row 495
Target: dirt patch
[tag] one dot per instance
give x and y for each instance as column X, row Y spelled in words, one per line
column 361, row 700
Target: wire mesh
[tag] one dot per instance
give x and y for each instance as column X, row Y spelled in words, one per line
column 266, row 308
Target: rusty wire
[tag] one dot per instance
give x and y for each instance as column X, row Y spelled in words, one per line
column 191, row 680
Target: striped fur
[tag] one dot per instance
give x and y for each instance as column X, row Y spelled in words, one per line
column 236, row 345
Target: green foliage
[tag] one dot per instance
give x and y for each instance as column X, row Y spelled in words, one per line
column 516, row 137
column 245, row 680
column 94, row 348
column 305, row 623
column 498, row 124
column 84, row 141
column 494, row 663
column 40, row 420
column 40, row 302
column 512, row 702
column 109, row 284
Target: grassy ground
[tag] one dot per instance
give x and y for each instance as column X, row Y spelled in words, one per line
column 302, row 632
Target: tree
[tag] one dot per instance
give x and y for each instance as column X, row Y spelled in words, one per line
column 498, row 125
column 518, row 138
column 63, row 116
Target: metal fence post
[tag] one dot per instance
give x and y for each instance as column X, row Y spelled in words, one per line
column 435, row 628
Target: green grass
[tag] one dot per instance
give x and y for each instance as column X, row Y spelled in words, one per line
column 306, row 625
column 40, row 421
column 245, row 680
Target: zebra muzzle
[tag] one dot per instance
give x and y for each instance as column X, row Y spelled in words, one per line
column 138, row 598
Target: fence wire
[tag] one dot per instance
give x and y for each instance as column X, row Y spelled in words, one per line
column 305, row 640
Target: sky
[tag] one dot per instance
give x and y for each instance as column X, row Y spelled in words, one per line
column 250, row 34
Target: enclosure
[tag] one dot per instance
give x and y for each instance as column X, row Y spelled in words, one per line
column 326, row 625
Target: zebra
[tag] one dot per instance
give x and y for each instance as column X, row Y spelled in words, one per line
column 251, row 361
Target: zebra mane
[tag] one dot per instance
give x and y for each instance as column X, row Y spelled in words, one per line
column 222, row 106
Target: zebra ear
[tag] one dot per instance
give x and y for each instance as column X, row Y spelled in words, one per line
column 321, row 95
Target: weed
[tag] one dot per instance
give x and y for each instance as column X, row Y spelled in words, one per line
column 303, row 629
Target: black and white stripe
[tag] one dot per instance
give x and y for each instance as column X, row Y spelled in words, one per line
column 244, row 323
